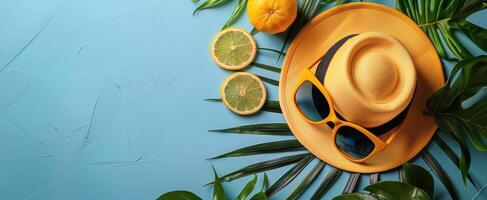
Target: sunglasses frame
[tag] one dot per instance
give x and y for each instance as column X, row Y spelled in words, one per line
column 379, row 144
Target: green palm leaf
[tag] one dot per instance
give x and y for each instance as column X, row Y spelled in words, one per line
column 326, row 184
column 373, row 178
column 259, row 129
column 209, row 4
column 218, row 192
column 312, row 175
column 351, row 183
column 262, row 166
column 446, row 17
column 265, row 148
column 466, row 80
column 289, row 176
column 269, row 105
column 236, row 13
column 269, row 80
column 247, row 189
column 266, row 67
column 452, row 156
column 440, row 173
column 273, row 51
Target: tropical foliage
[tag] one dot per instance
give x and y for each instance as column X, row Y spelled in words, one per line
column 440, row 20
column 415, row 184
column 440, row 17
column 219, row 192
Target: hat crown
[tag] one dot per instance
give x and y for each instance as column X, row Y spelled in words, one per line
column 371, row 79
column 375, row 76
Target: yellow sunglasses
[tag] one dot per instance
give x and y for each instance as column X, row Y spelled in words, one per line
column 316, row 106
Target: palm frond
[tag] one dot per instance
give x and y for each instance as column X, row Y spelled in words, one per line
column 263, row 166
column 289, row 176
column 266, row 67
column 440, row 173
column 326, row 184
column 351, row 183
column 236, row 13
column 254, row 31
column 452, row 156
column 259, row 129
column 209, row 4
column 269, row 105
column 312, row 175
column 272, row 50
column 269, row 80
column 265, row 148
column 373, row 178
column 446, row 17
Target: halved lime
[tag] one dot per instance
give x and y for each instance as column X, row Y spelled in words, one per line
column 233, row 49
column 243, row 93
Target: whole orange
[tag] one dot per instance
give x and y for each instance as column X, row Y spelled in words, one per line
column 272, row 16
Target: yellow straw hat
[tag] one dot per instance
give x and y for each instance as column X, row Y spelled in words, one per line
column 387, row 68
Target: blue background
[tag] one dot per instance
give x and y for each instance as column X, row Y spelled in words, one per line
column 103, row 99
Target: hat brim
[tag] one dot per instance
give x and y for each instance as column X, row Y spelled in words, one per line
column 318, row 36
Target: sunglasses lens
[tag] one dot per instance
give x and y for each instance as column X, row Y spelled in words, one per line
column 353, row 143
column 311, row 102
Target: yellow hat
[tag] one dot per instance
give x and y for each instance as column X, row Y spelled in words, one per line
column 371, row 79
column 389, row 65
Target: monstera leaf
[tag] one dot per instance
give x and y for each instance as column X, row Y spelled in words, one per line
column 446, row 17
column 450, row 113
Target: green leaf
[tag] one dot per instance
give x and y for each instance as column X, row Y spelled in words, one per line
column 373, row 178
column 307, row 181
column 457, row 130
column 218, row 192
column 263, row 166
column 446, row 17
column 254, row 31
column 180, row 195
column 236, row 13
column 210, row 4
column 351, row 183
column 272, row 50
column 266, row 67
column 247, row 189
column 259, row 129
column 265, row 183
column 269, row 105
column 265, row 148
column 326, row 184
column 356, row 196
column 419, row 177
column 269, row 80
column 440, row 173
column 289, row 176
column 452, row 156
column 195, row 1
column 466, row 80
column 259, row 196
column 393, row 190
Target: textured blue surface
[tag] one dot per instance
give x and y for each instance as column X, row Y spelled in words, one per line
column 103, row 99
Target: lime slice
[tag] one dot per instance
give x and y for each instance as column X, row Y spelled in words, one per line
column 243, row 93
column 233, row 49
